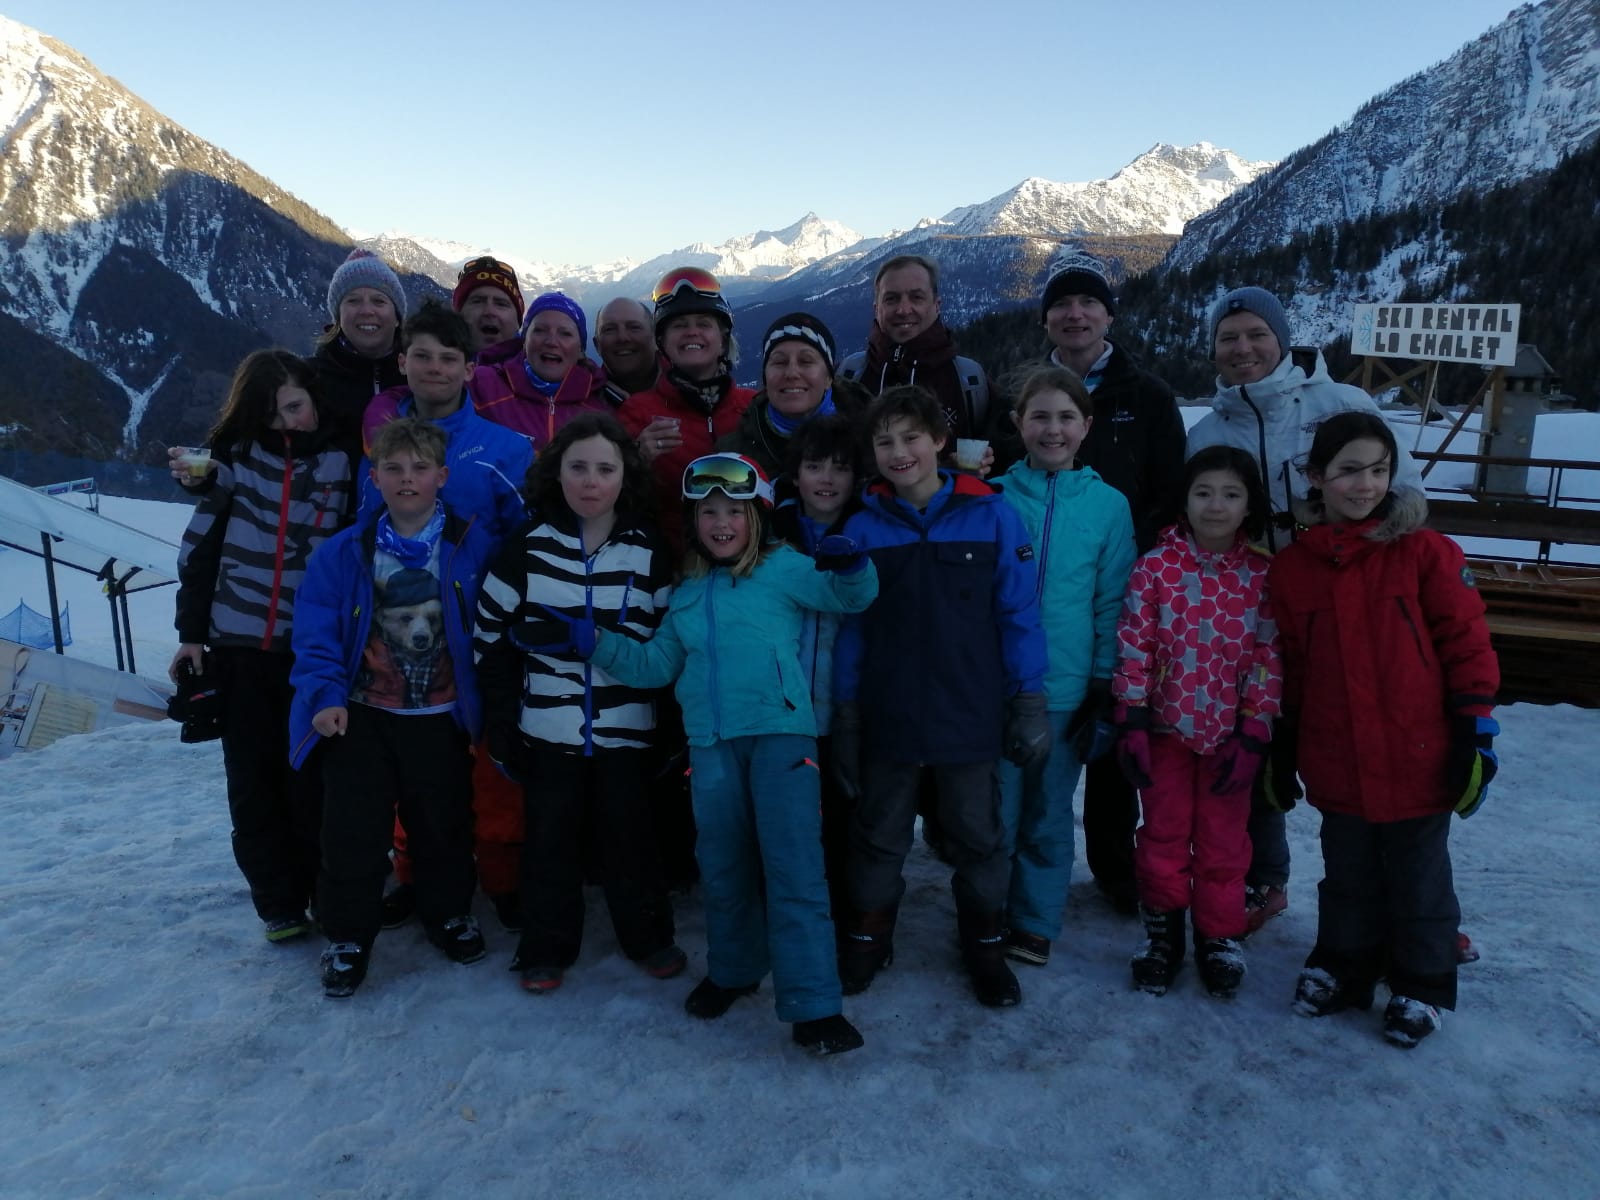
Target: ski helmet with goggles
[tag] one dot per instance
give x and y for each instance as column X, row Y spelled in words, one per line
column 686, row 290
column 734, row 475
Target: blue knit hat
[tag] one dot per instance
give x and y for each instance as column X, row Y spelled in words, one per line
column 365, row 269
column 1251, row 300
column 556, row 302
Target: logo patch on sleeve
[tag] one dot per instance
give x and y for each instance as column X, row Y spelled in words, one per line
column 1468, row 578
column 1025, row 552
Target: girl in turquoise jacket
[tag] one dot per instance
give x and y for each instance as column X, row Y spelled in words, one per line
column 731, row 643
column 1083, row 537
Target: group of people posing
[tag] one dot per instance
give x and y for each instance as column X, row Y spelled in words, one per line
column 478, row 604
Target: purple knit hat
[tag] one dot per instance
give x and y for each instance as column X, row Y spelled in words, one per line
column 556, row 302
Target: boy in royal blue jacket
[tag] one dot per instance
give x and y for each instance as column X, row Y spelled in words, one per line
column 383, row 672
column 944, row 671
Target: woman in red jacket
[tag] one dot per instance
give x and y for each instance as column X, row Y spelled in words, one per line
column 695, row 402
column 1388, row 668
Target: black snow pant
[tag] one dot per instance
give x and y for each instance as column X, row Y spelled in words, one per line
column 1387, row 906
column 1110, row 816
column 276, row 811
column 421, row 765
column 564, row 793
column 883, row 827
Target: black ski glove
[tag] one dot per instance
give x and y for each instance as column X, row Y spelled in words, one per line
column 1091, row 729
column 1027, row 729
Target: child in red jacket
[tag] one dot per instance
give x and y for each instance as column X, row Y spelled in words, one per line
column 1197, row 686
column 1390, row 672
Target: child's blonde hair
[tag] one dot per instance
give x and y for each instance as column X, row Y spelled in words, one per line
column 698, row 561
column 422, row 438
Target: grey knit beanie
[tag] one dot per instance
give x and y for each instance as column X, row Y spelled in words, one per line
column 1251, row 300
column 365, row 269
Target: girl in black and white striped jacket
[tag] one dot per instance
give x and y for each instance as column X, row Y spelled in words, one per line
column 280, row 490
column 574, row 737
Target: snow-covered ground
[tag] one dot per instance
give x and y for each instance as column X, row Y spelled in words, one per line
column 153, row 1044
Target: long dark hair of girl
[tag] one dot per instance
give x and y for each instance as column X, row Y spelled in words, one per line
column 1239, row 463
column 543, row 484
column 1337, row 432
column 252, row 402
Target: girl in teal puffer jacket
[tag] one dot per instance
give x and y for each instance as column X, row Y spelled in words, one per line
column 1083, row 536
column 730, row 641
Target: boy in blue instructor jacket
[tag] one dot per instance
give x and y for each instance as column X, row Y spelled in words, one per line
column 945, row 670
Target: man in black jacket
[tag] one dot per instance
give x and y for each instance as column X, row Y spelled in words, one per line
column 1136, row 444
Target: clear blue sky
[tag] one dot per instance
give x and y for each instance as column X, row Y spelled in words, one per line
column 585, row 132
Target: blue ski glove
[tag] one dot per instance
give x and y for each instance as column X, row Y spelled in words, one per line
column 1472, row 762
column 840, row 554
column 555, row 634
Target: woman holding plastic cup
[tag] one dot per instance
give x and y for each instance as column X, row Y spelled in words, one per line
column 695, row 401
column 357, row 355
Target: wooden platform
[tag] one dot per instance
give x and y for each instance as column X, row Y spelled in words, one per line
column 1545, row 624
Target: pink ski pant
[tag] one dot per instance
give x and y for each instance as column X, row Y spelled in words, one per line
column 1193, row 847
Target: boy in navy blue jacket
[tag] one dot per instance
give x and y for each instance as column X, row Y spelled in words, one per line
column 383, row 673
column 945, row 670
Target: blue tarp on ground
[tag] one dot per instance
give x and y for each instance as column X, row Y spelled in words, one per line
column 30, row 628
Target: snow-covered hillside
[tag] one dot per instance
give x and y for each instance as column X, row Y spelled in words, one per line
column 1505, row 106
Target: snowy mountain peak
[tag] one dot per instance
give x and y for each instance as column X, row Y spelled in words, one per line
column 1155, row 193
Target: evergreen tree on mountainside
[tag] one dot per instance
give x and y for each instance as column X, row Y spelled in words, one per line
column 1535, row 243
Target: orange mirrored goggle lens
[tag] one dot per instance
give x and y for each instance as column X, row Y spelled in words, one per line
column 692, row 278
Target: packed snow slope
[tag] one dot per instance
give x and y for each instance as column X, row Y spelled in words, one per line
column 155, row 1045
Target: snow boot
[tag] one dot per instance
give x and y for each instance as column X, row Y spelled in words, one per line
column 1027, row 947
column 344, row 966
column 866, row 948
column 1318, row 993
column 1406, row 1021
column 460, row 939
column 710, row 1000
column 1261, row 904
column 664, row 963
column 827, row 1035
column 983, row 950
column 1159, row 960
column 541, row 981
column 1220, row 962
column 283, row 929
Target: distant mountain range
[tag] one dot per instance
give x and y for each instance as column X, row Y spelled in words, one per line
column 138, row 263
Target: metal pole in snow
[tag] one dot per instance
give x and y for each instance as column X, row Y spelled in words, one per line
column 50, row 586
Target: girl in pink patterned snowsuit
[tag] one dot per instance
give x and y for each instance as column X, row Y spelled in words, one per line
column 1197, row 684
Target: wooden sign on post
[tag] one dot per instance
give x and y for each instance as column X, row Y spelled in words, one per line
column 1463, row 333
